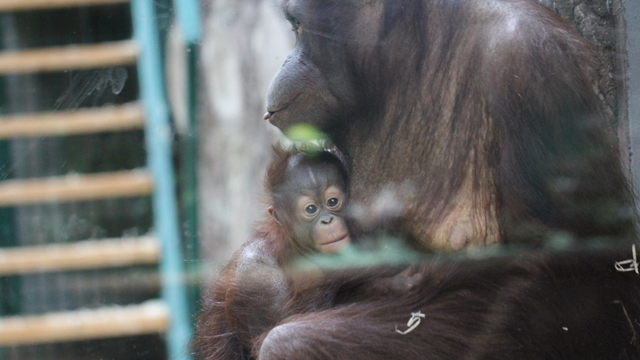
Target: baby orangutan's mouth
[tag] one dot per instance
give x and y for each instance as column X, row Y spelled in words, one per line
column 335, row 244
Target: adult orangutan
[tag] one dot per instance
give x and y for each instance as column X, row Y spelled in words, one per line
column 486, row 108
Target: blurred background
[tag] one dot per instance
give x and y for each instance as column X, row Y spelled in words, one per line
column 132, row 148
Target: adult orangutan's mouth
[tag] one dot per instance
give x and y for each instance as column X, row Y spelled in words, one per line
column 270, row 113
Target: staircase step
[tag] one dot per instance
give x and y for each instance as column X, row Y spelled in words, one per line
column 111, row 321
column 76, row 187
column 82, row 121
column 20, row 5
column 70, row 57
column 90, row 254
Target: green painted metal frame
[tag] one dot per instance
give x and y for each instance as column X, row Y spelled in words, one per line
column 188, row 20
column 158, row 138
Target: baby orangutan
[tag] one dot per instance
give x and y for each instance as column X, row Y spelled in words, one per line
column 307, row 197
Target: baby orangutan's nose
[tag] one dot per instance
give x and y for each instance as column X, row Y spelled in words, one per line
column 327, row 220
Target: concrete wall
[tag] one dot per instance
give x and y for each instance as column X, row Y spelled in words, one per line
column 245, row 43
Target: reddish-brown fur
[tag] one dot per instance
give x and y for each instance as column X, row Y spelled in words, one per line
column 234, row 311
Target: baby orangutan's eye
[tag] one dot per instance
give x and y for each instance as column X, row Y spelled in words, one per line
column 333, row 202
column 311, row 209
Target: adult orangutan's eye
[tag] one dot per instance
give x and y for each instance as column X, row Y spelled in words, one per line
column 295, row 24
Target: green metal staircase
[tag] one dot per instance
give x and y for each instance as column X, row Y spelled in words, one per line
column 171, row 313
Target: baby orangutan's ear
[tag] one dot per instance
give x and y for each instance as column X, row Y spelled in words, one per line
column 274, row 214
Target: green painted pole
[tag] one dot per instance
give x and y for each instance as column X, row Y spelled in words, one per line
column 188, row 14
column 158, row 138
